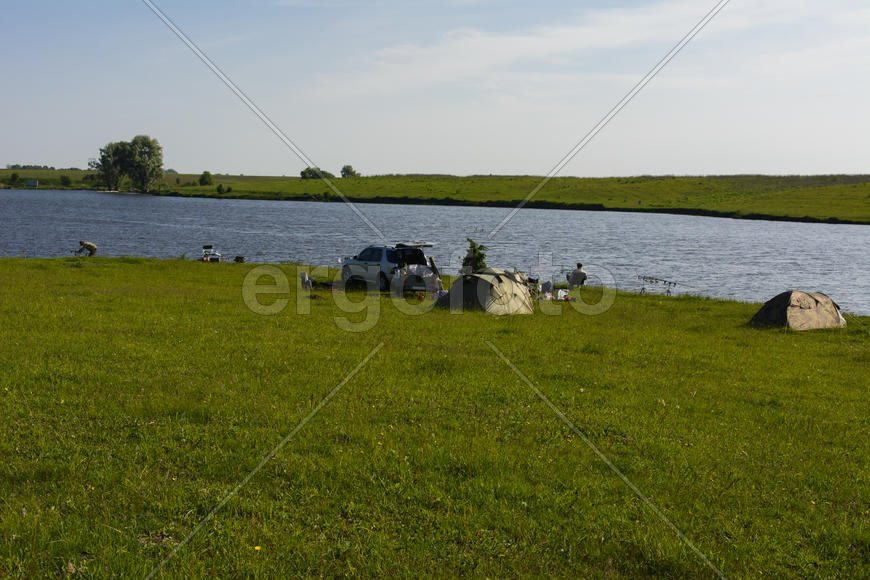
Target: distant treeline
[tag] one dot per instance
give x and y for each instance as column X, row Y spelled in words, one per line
column 40, row 167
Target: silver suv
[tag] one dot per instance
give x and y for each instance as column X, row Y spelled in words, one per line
column 379, row 264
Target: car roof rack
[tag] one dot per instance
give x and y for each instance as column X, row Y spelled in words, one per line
column 415, row 245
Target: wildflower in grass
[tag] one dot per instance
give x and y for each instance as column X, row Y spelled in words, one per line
column 257, row 548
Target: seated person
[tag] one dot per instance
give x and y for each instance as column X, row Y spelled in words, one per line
column 577, row 278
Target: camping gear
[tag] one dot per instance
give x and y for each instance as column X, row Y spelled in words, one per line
column 668, row 284
column 492, row 290
column 209, row 254
column 799, row 311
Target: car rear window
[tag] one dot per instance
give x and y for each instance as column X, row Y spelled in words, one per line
column 411, row 256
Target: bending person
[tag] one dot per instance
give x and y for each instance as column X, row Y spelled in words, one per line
column 90, row 247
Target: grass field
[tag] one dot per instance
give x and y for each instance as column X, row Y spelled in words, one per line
column 815, row 198
column 136, row 394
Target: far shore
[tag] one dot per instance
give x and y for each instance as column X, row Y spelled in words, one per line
column 533, row 204
column 835, row 199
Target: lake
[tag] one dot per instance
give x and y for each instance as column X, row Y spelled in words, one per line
column 723, row 258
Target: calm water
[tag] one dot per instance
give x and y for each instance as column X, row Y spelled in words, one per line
column 744, row 260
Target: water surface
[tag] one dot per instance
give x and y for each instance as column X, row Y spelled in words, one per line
column 723, row 258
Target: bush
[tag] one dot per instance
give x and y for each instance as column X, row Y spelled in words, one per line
column 205, row 178
column 65, row 181
column 220, row 188
column 315, row 173
column 475, row 258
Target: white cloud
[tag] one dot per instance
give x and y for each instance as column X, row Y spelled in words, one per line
column 476, row 59
column 741, row 97
column 472, row 55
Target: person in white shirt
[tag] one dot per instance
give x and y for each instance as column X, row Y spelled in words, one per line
column 577, row 278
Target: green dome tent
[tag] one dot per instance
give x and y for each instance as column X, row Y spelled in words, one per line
column 494, row 291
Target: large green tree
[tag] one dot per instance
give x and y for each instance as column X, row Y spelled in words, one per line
column 146, row 162
column 112, row 163
column 140, row 159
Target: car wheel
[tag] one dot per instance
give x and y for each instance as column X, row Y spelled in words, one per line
column 383, row 283
column 345, row 274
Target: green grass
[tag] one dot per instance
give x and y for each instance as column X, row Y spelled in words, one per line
column 135, row 394
column 813, row 198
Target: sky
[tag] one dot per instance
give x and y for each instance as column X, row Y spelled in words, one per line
column 444, row 86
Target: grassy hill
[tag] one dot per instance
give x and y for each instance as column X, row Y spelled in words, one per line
column 136, row 394
column 843, row 198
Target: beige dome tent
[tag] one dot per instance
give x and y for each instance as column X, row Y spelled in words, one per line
column 799, row 311
column 494, row 291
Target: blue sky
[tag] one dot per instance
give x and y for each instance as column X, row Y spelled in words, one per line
column 450, row 86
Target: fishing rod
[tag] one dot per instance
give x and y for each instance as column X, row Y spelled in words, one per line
column 653, row 280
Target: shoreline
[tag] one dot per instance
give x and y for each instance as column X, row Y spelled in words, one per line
column 452, row 201
column 326, row 284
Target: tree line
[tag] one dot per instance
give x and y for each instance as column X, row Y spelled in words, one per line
column 140, row 160
column 39, row 167
column 318, row 173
